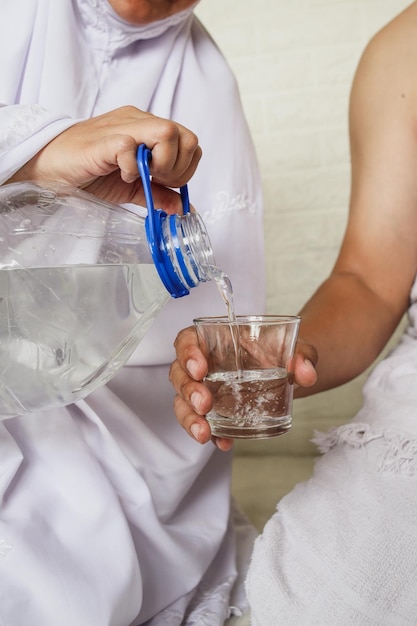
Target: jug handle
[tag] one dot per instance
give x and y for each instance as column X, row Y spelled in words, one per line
column 154, row 221
column 144, row 157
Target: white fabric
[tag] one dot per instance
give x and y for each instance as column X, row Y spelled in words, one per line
column 342, row 547
column 110, row 514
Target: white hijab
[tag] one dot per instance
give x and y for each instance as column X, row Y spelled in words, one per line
column 135, row 474
column 73, row 60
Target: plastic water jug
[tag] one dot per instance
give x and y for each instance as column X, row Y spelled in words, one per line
column 81, row 280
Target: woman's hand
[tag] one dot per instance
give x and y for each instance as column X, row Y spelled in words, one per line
column 99, row 155
column 193, row 400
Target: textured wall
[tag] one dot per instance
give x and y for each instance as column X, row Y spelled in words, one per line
column 294, row 61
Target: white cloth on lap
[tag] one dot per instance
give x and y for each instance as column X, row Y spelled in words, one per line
column 341, row 549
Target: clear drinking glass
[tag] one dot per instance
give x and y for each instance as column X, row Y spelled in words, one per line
column 250, row 373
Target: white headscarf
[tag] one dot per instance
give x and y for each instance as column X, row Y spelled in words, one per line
column 114, row 478
column 65, row 66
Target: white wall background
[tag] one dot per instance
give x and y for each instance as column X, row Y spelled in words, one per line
column 295, row 61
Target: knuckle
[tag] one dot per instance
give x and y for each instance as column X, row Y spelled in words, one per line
column 123, row 143
column 128, row 110
column 190, row 142
column 168, row 131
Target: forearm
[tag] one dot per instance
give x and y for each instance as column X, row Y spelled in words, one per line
column 27, row 129
column 349, row 326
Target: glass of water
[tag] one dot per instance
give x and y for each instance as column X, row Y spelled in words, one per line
column 250, row 373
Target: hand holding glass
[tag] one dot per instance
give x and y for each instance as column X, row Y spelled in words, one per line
column 249, row 373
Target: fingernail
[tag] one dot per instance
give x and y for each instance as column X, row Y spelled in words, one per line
column 195, row 430
column 192, row 367
column 196, row 401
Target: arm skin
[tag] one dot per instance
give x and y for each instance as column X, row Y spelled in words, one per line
column 99, row 155
column 349, row 319
column 354, row 313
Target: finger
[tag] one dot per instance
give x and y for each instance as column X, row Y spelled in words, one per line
column 164, row 198
column 307, row 350
column 193, row 392
column 195, row 425
column 305, row 374
column 175, row 149
column 175, row 156
column 179, row 176
column 189, row 354
column 174, row 160
column 112, row 189
column 222, row 443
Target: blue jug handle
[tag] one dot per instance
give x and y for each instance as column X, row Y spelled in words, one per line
column 153, row 225
column 144, row 157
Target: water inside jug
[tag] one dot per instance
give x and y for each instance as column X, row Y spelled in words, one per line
column 79, row 288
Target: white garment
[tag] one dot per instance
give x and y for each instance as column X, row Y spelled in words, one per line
column 110, row 514
column 342, row 547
